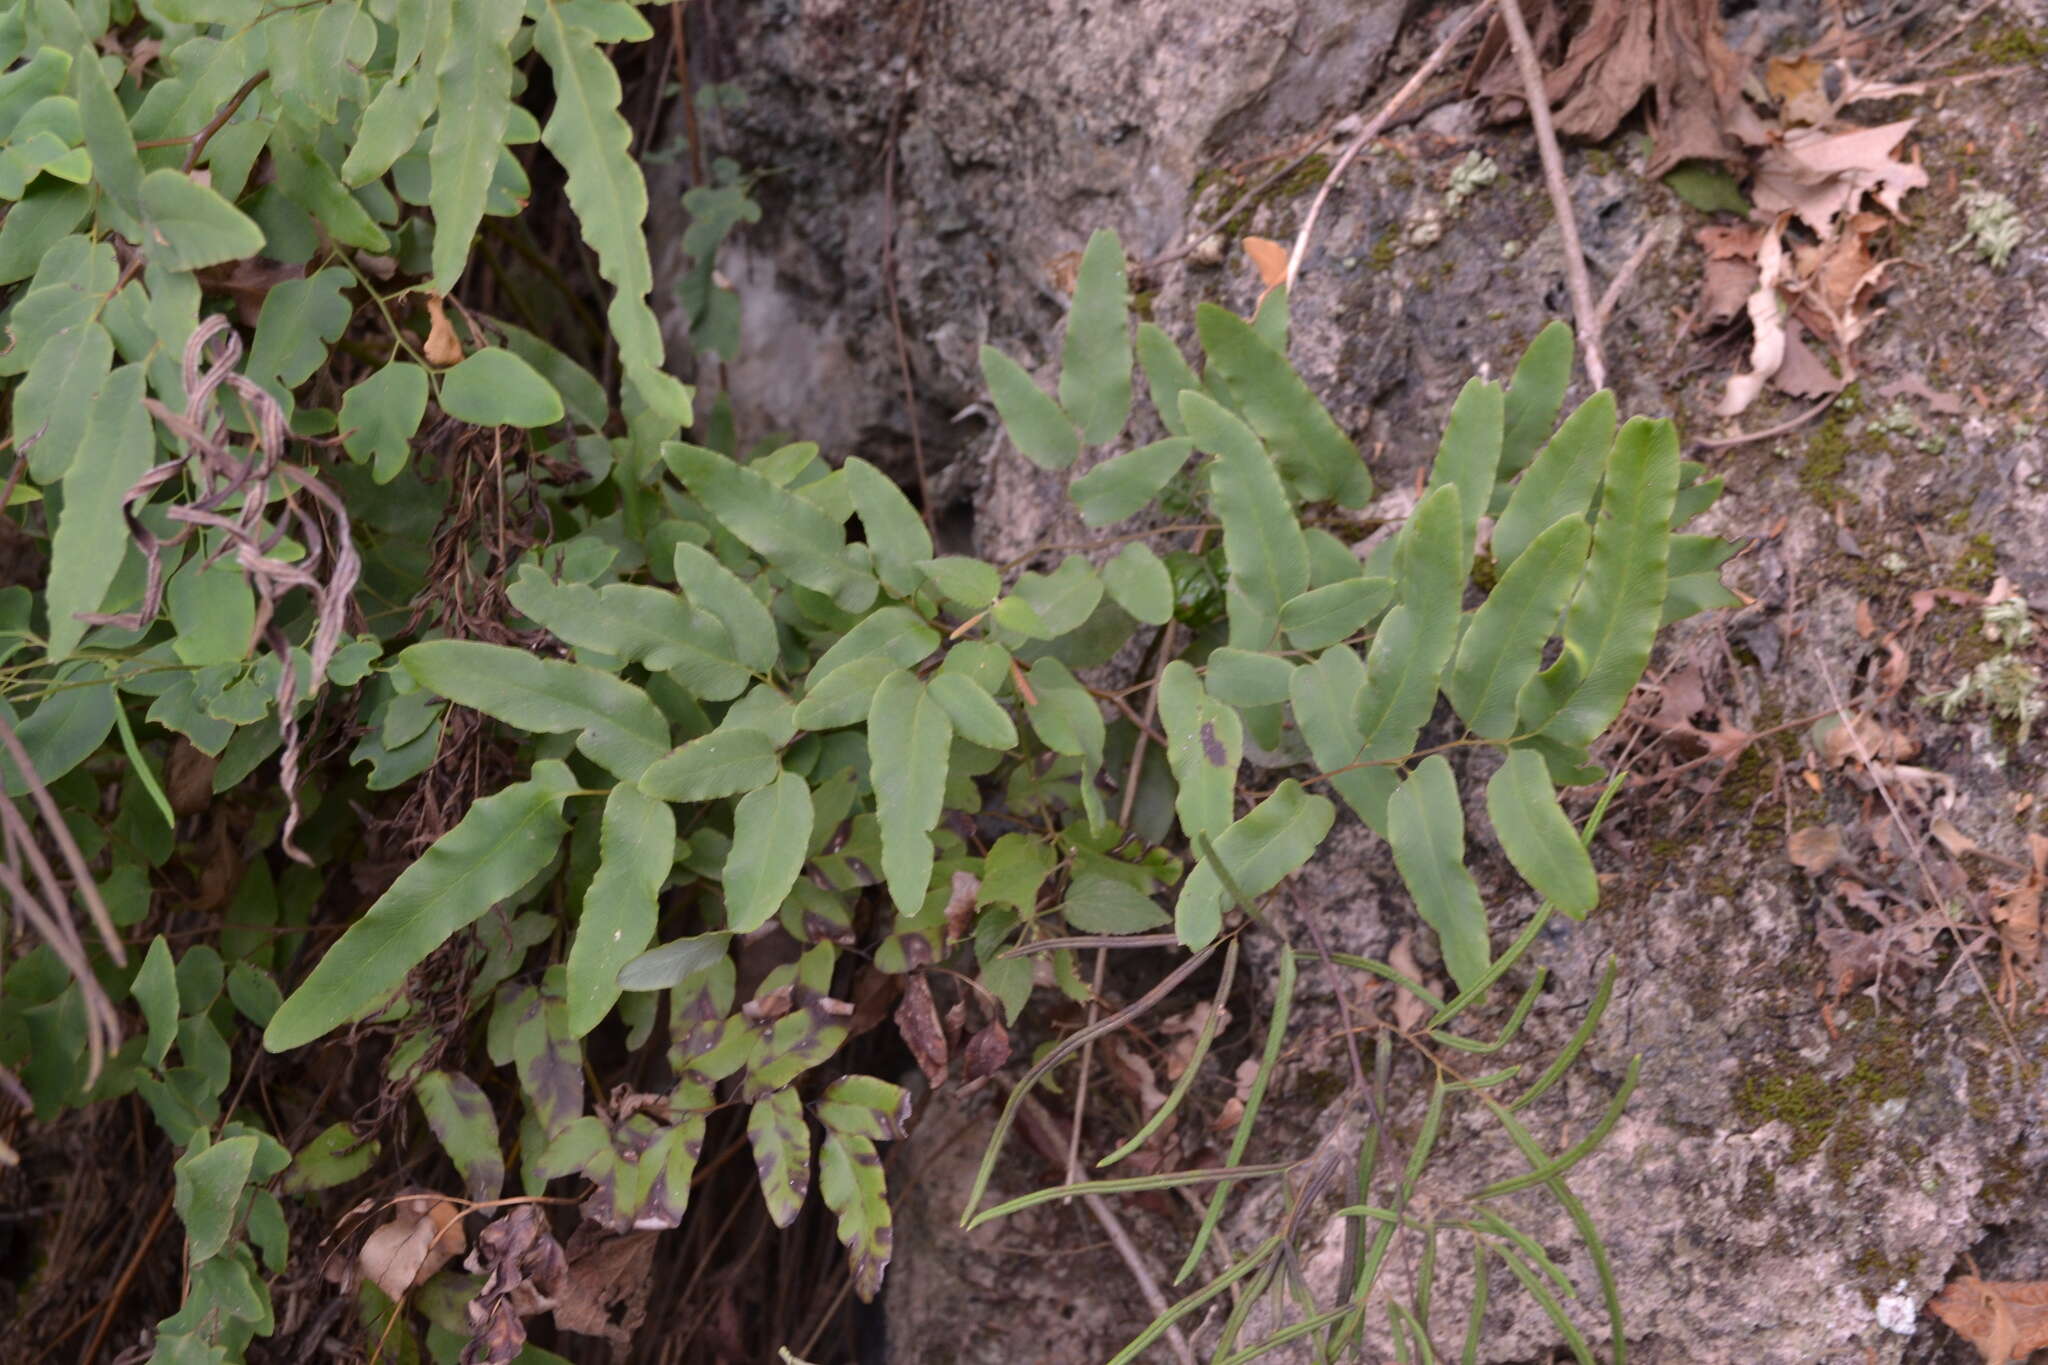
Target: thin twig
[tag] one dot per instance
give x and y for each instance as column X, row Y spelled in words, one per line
column 1576, row 278
column 924, row 488
column 1377, row 126
column 156, row 1225
column 1624, row 277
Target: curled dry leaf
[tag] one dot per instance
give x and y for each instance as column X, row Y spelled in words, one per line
column 2006, row 1320
column 917, row 1019
column 986, row 1053
column 2017, row 909
column 523, row 1268
column 960, row 906
column 604, row 1293
column 1409, row 1011
column 443, row 347
column 422, row 1235
column 1815, row 849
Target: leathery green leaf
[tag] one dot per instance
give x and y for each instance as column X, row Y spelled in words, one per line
column 1262, row 542
column 380, row 416
column 1240, row 677
column 725, row 762
column 1336, row 611
column 771, row 830
column 842, row 697
column 1503, row 644
column 1414, row 642
column 156, row 990
column 976, row 716
column 496, row 388
column 1318, row 459
column 1204, row 746
column 1469, row 455
column 909, row 737
column 718, row 590
column 636, row 623
column 1560, row 482
column 1613, row 617
column 591, row 138
column 1535, row 395
column 674, row 962
column 461, row 1118
column 865, row 1106
column 1325, row 699
column 209, row 1185
column 475, row 105
column 781, row 1140
column 636, row 847
column 1095, row 362
column 299, row 320
column 789, row 532
column 191, row 227
column 504, row 840
column 1167, row 375
column 82, row 558
column 895, row 531
column 1538, row 838
column 1140, row 584
column 333, row 1156
column 850, row 1179
column 1260, row 851
column 56, row 402
column 1126, row 485
column 1426, row 829
column 615, row 724
column 1036, row 426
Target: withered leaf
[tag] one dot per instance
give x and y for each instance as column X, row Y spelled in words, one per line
column 986, row 1052
column 523, row 1266
column 423, row 1233
column 442, row 347
column 604, row 1293
column 2006, row 1320
column 917, row 1019
column 1815, row 849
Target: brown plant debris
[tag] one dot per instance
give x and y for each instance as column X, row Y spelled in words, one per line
column 2006, row 1320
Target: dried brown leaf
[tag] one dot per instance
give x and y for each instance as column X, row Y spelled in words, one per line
column 423, row 1233
column 1409, row 1011
column 442, row 347
column 1815, row 849
column 604, row 1293
column 917, row 1019
column 986, row 1052
column 960, row 906
column 2006, row 1320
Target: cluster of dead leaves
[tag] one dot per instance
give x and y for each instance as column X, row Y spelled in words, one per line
column 596, row 1286
column 1807, row 265
column 933, row 1037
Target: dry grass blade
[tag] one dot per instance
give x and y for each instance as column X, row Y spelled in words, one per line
column 250, row 480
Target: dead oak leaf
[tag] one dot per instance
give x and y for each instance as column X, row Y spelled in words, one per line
column 2006, row 1320
column 423, row 1234
column 1820, row 176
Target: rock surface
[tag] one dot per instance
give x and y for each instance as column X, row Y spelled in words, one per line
column 1788, row 1161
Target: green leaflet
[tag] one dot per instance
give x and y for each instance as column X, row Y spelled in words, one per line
column 1468, row 457
column 1167, row 375
column 895, row 531
column 865, row 1106
column 504, row 840
column 1561, row 481
column 1035, row 424
column 208, row 1191
column 300, row 319
column 156, row 989
column 1537, row 837
column 1140, row 584
column 475, row 104
column 1126, row 485
column 781, row 1140
column 65, row 727
column 1262, row 542
column 784, row 529
column 635, row 623
column 191, row 227
column 615, row 724
column 1534, row 397
column 83, row 561
column 460, row 1115
column 116, row 166
column 334, row 1156
column 1336, row 611
column 636, row 848
column 718, row 590
column 725, row 762
column 897, row 634
column 1204, row 746
column 1261, row 850
column 909, row 738
column 1069, row 721
column 958, row 578
column 1095, row 361
column 1325, row 698
column 1096, row 904
column 1239, row 677
column 1062, row 599
column 495, row 388
column 591, row 139
column 1318, row 459
column 1689, row 594
column 842, row 697
column 1503, row 644
column 306, row 179
column 56, row 401
column 1426, row 829
column 1415, row 641
column 380, row 416
column 392, row 122
column 675, row 962
column 771, row 831
column 976, row 715
column 851, row 1181
column 1613, row 616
